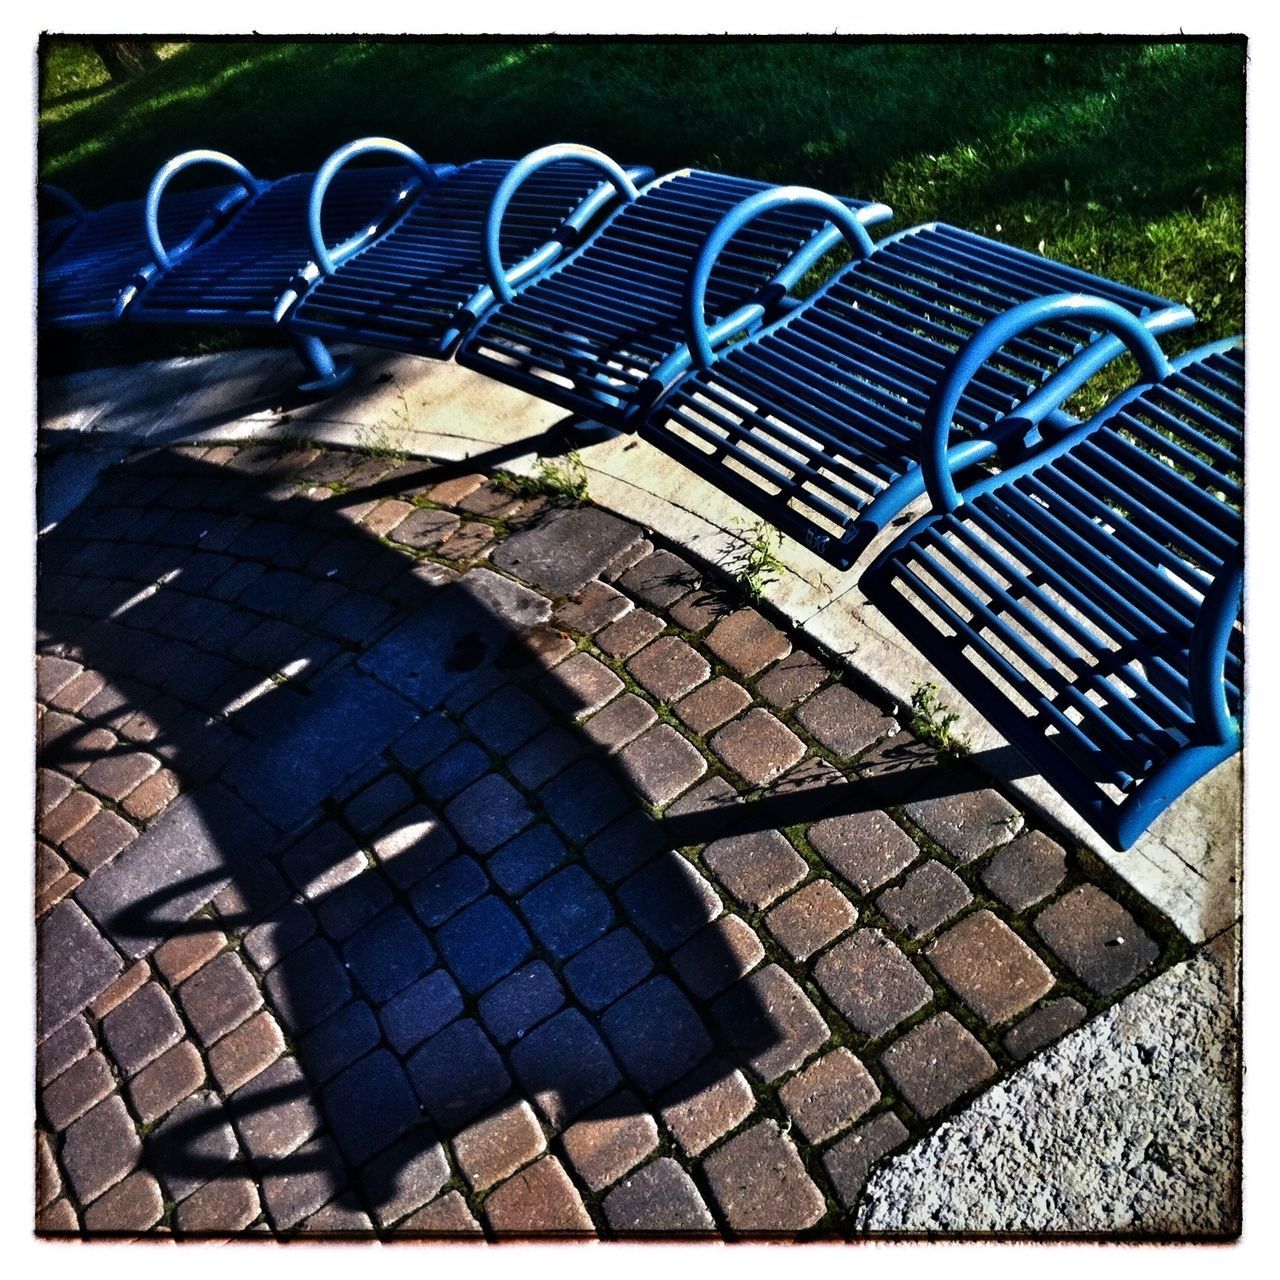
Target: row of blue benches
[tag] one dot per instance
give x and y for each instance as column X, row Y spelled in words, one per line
column 1083, row 592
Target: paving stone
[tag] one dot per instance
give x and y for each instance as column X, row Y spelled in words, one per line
column 760, row 1184
column 339, row 1040
column 756, row 868
column 624, row 719
column 482, row 944
column 527, row 859
column 632, row 631
column 51, row 790
column 935, row 1063
column 966, row 823
column 370, row 809
column 173, row 1076
column 669, row 901
column 710, row 706
column 700, row 608
column 867, row 849
column 306, row 1182
column 1026, row 871
column 405, row 1176
column 659, row 1199
column 69, row 816
column 151, row 796
column 661, row 763
column 446, row 1217
column 488, row 813
column 624, row 847
column 566, row 549
column 58, row 1219
column 77, row 691
column 810, row 918
column 266, row 944
column 457, row 1074
column 53, row 674
column 842, row 721
column 829, row 1095
column 349, row 720
column 567, row 912
column 81, row 1086
column 339, row 1217
column 703, row 813
column 926, row 899
column 538, row 650
column 580, row 685
column 871, row 982
column 540, row 1200
column 594, row 607
column 716, row 957
column 660, row 579
column 627, row 559
column 450, row 492
column 182, row 861
column 1096, row 938
column 242, row 1053
column 136, row 1204
column 565, row 1067
column 704, row 1106
column 114, row 777
column 792, row 678
column 274, row 1113
column 457, row 768
column 849, row 1161
column 471, row 542
column 141, row 1029
column 771, row 1023
column 747, row 642
column 758, row 746
column 494, row 1147
column 506, row 720
column 420, row 1010
column 131, row 980
column 56, row 1053
column 613, row 1138
column 542, row 759
column 429, row 739
column 426, row 528
column 518, row 1003
column 219, row 996
column 256, row 891
column 656, row 1034
column 98, row 841
column 222, row 1207
column 48, row 1179
column 669, row 668
column 415, row 845
column 583, row 800
column 388, row 954
column 370, row 1105
column 989, row 967
column 607, row 969
column 307, row 986
column 1042, row 1026
column 350, row 906
column 99, row 1149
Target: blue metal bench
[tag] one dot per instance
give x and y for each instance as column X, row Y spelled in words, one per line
column 814, row 420
column 90, row 262
column 253, row 270
column 420, row 286
column 603, row 330
column 1086, row 600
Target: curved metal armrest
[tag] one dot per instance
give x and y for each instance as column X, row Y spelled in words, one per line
column 1209, row 641
column 329, row 170
column 66, row 199
column 701, row 340
column 991, row 337
column 167, row 173
column 501, row 281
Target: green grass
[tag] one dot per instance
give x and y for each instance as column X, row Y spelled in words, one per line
column 1120, row 157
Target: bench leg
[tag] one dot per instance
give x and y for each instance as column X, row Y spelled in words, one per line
column 328, row 374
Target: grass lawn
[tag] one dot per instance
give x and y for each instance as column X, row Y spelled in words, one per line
column 1124, row 158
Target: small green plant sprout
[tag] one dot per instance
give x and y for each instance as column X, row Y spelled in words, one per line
column 564, row 482
column 755, row 564
column 932, row 721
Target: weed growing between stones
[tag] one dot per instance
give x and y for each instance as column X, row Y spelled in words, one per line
column 565, row 485
column 932, row 721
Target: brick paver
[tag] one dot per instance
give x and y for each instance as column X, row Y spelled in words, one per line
column 398, row 947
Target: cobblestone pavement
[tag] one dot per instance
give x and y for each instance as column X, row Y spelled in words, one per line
column 419, row 859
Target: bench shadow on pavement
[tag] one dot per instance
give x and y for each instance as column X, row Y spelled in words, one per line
column 282, row 750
